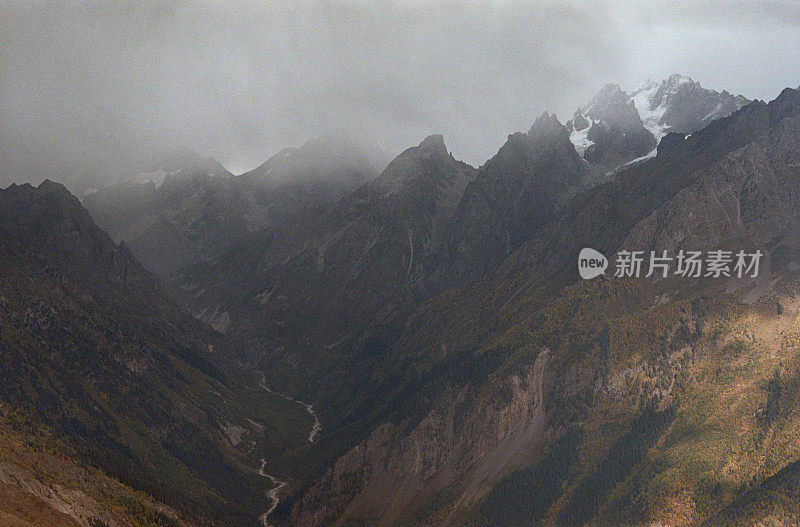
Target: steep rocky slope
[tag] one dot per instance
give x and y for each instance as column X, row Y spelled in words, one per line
column 516, row 191
column 41, row 486
column 189, row 217
column 96, row 354
column 609, row 131
column 679, row 104
column 666, row 401
column 615, row 127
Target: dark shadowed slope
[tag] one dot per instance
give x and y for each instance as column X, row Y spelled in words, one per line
column 96, row 356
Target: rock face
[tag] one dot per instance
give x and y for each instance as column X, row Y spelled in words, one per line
column 609, row 131
column 605, row 215
column 189, row 217
column 517, row 190
column 504, row 428
column 723, row 207
column 58, row 233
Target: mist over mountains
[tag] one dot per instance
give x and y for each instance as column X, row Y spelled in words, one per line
column 188, row 208
column 90, row 89
column 320, row 264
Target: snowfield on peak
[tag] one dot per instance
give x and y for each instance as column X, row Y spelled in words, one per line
column 651, row 116
column 580, row 138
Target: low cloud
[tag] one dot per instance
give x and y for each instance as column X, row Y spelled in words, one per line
column 86, row 87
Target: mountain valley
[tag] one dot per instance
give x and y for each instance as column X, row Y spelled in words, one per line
column 334, row 338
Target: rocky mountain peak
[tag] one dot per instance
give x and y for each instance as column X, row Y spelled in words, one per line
column 680, row 104
column 676, row 79
column 546, row 139
column 613, row 106
column 55, row 189
column 326, row 159
column 608, row 131
column 50, row 222
column 432, row 147
column 434, row 143
column 48, row 196
column 429, row 161
column 547, row 125
column 608, row 92
column 788, row 100
column 615, row 127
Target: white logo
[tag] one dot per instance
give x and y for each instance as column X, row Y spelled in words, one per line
column 716, row 264
column 591, row 263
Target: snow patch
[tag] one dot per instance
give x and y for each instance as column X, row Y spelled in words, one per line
column 652, row 153
column 580, row 138
column 651, row 115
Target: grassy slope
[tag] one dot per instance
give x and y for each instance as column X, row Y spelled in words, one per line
column 40, row 479
column 733, row 397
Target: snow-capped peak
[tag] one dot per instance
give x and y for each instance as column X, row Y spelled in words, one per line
column 680, row 104
column 675, row 104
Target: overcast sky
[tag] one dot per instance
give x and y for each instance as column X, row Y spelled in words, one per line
column 85, row 85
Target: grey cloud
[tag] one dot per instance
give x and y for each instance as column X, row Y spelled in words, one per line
column 87, row 86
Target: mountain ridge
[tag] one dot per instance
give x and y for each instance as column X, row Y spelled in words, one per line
column 615, row 127
column 194, row 213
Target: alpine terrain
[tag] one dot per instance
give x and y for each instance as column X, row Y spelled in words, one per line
column 336, row 338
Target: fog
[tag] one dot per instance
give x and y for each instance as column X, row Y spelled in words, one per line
column 87, row 87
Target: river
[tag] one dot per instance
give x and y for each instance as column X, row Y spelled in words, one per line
column 278, row 484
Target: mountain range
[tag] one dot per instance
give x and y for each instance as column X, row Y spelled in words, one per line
column 326, row 341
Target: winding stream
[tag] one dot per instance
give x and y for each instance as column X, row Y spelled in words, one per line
column 278, row 484
column 272, row 494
